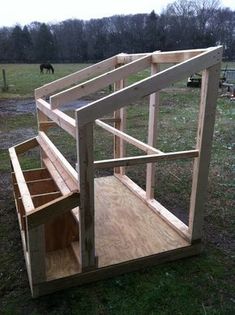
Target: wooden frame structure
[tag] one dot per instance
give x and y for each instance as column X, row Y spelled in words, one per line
column 76, row 228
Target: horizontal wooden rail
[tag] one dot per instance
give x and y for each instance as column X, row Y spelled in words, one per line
column 76, row 77
column 55, row 155
column 26, row 145
column 100, row 82
column 137, row 143
column 147, row 86
column 45, row 125
column 52, row 209
column 176, row 56
column 19, row 176
column 61, row 119
column 142, row 159
column 162, row 56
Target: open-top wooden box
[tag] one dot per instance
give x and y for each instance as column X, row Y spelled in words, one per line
column 76, row 228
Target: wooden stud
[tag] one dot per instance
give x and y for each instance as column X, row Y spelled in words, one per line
column 154, row 102
column 120, row 124
column 86, row 183
column 209, row 90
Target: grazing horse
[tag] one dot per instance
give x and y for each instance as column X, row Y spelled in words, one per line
column 46, row 66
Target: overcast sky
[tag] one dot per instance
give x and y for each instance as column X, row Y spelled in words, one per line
column 26, row 11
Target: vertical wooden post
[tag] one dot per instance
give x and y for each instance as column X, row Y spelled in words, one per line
column 5, row 87
column 86, row 209
column 119, row 145
column 209, row 91
column 154, row 101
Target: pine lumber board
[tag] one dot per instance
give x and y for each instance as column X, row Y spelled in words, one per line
column 56, row 156
column 142, row 159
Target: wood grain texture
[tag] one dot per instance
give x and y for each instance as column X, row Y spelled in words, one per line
column 154, row 103
column 61, row 263
column 125, row 227
column 209, row 92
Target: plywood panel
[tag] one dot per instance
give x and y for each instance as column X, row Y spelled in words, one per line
column 60, row 232
column 61, row 263
column 125, row 227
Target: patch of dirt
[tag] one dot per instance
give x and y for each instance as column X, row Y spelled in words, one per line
column 17, row 107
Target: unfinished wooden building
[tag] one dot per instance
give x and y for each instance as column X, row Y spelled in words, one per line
column 76, row 228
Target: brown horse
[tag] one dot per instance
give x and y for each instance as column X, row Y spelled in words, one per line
column 46, row 66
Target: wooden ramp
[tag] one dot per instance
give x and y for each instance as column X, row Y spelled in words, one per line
column 76, row 228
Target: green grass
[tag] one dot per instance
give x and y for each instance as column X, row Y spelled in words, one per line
column 198, row 285
column 22, row 79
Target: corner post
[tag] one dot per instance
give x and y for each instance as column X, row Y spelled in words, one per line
column 209, row 91
column 85, row 170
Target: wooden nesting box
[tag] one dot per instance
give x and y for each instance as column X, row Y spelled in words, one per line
column 76, row 228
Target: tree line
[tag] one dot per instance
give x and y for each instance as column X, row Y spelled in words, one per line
column 184, row 24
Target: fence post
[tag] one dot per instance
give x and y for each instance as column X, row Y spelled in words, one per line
column 5, row 86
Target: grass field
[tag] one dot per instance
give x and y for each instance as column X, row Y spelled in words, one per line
column 199, row 285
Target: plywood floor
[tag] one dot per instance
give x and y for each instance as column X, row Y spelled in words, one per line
column 125, row 227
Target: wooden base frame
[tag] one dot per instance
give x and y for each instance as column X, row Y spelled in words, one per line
column 76, row 228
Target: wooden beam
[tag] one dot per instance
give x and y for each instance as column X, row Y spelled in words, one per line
column 76, row 77
column 55, row 155
column 147, row 86
column 176, row 56
column 23, row 188
column 162, row 57
column 61, row 119
column 154, row 102
column 97, row 83
column 142, row 159
column 45, row 125
column 209, row 92
column 26, row 145
column 52, row 209
column 139, row 144
column 58, row 179
column 86, row 181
